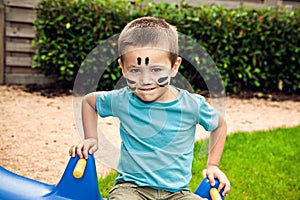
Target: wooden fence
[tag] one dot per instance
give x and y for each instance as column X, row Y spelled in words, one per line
column 1, row 42
column 18, row 50
column 17, row 33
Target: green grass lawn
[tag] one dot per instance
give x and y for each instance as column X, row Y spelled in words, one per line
column 260, row 165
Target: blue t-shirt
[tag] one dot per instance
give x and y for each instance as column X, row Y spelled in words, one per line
column 157, row 138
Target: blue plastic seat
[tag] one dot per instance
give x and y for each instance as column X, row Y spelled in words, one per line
column 13, row 186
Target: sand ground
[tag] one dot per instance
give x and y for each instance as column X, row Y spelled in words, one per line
column 36, row 131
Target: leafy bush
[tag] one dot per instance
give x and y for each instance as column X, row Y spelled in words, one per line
column 255, row 50
column 67, row 30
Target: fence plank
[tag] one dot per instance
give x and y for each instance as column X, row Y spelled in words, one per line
column 19, row 47
column 227, row 4
column 2, row 44
column 18, row 61
column 291, row 3
column 20, row 15
column 272, row 2
column 28, row 78
column 232, row 4
column 20, row 32
column 20, row 69
column 22, row 3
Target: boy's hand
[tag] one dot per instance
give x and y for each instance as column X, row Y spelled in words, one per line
column 88, row 146
column 213, row 172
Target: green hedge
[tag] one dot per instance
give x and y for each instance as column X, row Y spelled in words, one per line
column 256, row 50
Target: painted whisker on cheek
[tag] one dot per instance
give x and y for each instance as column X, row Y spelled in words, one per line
column 164, row 85
column 130, row 81
column 162, row 79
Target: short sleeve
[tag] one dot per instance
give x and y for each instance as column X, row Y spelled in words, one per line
column 104, row 103
column 208, row 116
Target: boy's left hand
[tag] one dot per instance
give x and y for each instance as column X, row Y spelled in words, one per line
column 213, row 172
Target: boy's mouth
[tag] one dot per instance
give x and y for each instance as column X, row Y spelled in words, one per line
column 147, row 89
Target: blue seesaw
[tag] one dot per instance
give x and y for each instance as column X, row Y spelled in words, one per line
column 79, row 182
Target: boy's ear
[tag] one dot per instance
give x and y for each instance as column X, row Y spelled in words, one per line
column 122, row 66
column 175, row 66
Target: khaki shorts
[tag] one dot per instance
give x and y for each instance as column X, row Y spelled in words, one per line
column 130, row 191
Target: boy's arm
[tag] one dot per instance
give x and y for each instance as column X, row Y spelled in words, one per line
column 216, row 146
column 89, row 116
column 89, row 121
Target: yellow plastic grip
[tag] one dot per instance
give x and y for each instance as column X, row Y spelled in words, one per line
column 204, row 173
column 214, row 194
column 79, row 168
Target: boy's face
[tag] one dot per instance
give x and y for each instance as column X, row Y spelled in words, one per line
column 148, row 73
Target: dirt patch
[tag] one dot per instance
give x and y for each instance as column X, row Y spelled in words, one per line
column 37, row 130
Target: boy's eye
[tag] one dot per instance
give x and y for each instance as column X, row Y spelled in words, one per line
column 133, row 70
column 156, row 70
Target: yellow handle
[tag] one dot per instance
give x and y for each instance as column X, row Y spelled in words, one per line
column 204, row 173
column 79, row 168
column 214, row 194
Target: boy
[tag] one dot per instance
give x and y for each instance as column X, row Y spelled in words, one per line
column 157, row 120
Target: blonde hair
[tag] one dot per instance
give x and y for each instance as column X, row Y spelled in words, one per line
column 149, row 31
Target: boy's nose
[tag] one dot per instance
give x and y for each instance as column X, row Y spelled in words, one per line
column 146, row 79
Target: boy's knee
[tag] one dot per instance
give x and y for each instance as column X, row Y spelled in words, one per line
column 124, row 191
column 188, row 195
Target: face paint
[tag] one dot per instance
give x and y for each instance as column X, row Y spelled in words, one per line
column 147, row 61
column 164, row 85
column 143, row 72
column 156, row 74
column 131, row 82
column 139, row 61
column 161, row 81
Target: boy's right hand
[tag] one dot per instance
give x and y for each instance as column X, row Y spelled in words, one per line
column 88, row 146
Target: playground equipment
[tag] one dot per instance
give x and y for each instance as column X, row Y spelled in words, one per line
column 79, row 181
